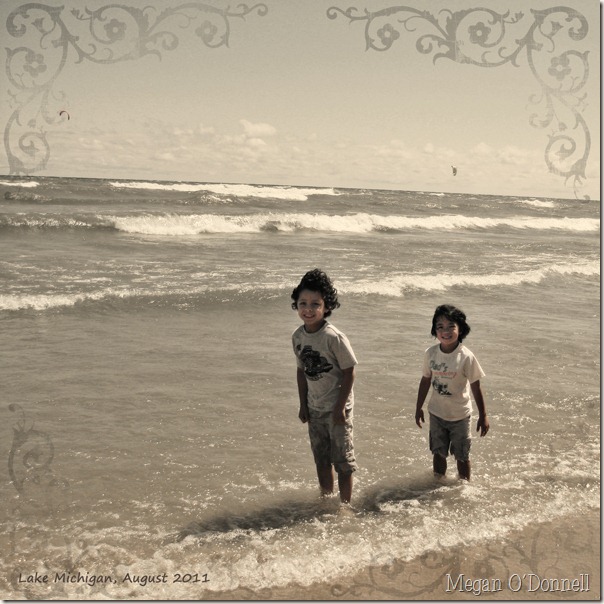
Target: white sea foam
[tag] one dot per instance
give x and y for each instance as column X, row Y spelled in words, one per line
column 536, row 203
column 237, row 190
column 177, row 224
column 324, row 549
column 46, row 222
column 400, row 285
column 49, row 301
column 26, row 184
column 395, row 286
column 195, row 224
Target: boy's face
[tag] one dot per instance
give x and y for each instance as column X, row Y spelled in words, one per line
column 447, row 333
column 311, row 309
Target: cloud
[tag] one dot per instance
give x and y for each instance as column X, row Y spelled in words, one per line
column 482, row 149
column 514, row 155
column 257, row 130
column 205, row 130
column 395, row 151
column 256, row 142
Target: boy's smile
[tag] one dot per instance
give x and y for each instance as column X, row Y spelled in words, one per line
column 447, row 334
column 311, row 309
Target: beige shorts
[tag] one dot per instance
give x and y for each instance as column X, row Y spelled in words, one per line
column 332, row 443
column 448, row 436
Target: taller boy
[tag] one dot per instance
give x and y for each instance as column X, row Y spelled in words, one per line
column 325, row 376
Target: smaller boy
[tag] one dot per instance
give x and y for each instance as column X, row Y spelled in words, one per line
column 453, row 372
column 325, row 376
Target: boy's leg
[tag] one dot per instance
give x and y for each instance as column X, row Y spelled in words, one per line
column 439, row 464
column 439, row 444
column 345, row 486
column 461, row 442
column 463, row 467
column 318, row 431
column 325, row 475
column 342, row 455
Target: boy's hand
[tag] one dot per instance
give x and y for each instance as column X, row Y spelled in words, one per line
column 419, row 417
column 482, row 425
column 339, row 416
column 303, row 414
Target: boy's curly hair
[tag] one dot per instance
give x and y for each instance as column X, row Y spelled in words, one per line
column 453, row 314
column 317, row 281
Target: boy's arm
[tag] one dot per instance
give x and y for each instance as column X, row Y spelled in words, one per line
column 422, row 393
column 303, row 393
column 483, row 422
column 339, row 411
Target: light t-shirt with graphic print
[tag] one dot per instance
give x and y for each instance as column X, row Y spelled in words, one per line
column 323, row 355
column 451, row 375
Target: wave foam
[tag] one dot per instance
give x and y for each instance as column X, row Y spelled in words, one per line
column 399, row 285
column 43, row 301
column 172, row 224
column 264, row 192
column 175, row 224
column 537, row 204
column 29, row 184
column 47, row 222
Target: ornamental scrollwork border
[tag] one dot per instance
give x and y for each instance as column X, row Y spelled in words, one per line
column 485, row 38
column 40, row 489
column 30, row 457
column 109, row 35
column 476, row 36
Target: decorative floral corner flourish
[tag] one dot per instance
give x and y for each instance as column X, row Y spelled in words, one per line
column 111, row 34
column 486, row 38
column 30, row 456
column 30, row 469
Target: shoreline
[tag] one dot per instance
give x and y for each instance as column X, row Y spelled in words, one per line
column 552, row 560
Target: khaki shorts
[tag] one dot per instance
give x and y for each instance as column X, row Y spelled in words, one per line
column 448, row 436
column 332, row 443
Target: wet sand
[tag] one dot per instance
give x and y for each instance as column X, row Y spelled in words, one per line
column 556, row 560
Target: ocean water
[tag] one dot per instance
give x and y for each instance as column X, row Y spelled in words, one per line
column 149, row 405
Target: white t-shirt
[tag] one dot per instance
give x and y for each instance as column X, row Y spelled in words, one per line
column 323, row 356
column 451, row 375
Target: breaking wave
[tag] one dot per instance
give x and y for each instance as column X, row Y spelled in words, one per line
column 536, row 203
column 197, row 224
column 26, row 184
column 399, row 285
column 172, row 224
column 237, row 190
column 396, row 286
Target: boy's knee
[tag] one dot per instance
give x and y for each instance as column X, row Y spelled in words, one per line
column 461, row 450
column 346, row 468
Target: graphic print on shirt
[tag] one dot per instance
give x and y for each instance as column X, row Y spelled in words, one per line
column 439, row 370
column 314, row 363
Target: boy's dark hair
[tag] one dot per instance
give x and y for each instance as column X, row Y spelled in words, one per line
column 317, row 281
column 453, row 314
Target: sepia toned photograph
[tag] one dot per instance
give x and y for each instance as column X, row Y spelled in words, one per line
column 300, row 300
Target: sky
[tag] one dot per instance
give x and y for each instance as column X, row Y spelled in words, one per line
column 293, row 97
